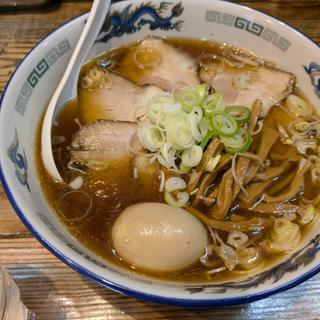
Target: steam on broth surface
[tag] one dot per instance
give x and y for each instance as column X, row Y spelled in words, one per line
column 198, row 125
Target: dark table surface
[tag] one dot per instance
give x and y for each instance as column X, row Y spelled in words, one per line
column 52, row 290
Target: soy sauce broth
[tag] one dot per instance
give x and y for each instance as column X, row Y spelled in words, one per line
column 116, row 188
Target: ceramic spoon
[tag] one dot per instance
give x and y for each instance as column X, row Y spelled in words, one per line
column 69, row 80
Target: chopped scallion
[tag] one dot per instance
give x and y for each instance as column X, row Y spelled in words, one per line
column 240, row 113
column 224, row 124
column 191, row 157
column 213, row 102
column 238, row 143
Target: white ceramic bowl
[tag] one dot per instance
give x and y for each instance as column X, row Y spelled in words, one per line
column 35, row 79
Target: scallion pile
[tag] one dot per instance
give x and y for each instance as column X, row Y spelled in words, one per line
column 178, row 126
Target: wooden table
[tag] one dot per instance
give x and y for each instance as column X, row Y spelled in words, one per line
column 52, row 290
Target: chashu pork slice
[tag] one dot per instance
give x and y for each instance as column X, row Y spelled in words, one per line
column 105, row 144
column 170, row 68
column 116, row 99
column 240, row 87
column 104, row 141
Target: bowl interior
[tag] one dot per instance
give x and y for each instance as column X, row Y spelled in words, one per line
column 36, row 78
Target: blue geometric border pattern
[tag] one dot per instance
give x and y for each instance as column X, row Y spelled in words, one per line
column 131, row 20
column 19, row 160
column 36, row 74
column 250, row 26
column 313, row 70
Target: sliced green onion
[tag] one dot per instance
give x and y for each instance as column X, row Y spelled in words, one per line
column 193, row 124
column 178, row 131
column 174, row 183
column 168, row 154
column 189, row 98
column 204, row 126
column 206, row 139
column 213, row 102
column 224, row 123
column 240, row 113
column 250, row 257
column 170, row 109
column 195, row 117
column 197, row 112
column 235, row 142
column 237, row 239
column 284, row 230
column 161, row 121
column 203, row 91
column 191, row 157
column 238, row 143
column 155, row 110
column 180, row 200
column 157, row 102
column 184, row 169
column 298, row 106
column 179, row 126
column 150, row 137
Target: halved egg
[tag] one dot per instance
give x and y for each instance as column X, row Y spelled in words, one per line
column 158, row 237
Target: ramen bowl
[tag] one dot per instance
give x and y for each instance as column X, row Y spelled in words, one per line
column 35, row 79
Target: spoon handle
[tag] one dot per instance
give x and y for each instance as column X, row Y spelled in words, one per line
column 68, row 82
column 91, row 29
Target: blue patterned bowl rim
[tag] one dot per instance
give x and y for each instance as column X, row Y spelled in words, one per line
column 205, row 303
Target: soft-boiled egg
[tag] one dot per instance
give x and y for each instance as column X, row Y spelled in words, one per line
column 158, row 237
